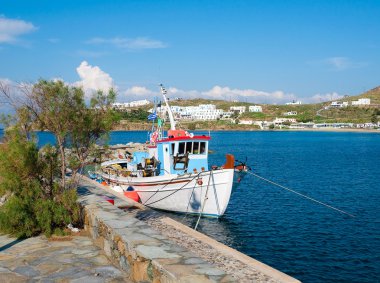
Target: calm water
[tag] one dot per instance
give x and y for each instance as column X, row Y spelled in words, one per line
column 300, row 238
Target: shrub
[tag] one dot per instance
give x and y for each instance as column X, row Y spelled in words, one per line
column 35, row 205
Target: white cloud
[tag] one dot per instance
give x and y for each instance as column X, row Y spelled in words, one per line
column 217, row 92
column 11, row 29
column 139, row 91
column 317, row 98
column 93, row 78
column 248, row 95
column 16, row 95
column 339, row 63
column 129, row 43
column 5, row 81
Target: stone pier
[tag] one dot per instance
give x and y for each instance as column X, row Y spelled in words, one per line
column 152, row 248
column 68, row 259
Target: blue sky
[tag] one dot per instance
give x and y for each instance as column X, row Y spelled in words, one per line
column 256, row 51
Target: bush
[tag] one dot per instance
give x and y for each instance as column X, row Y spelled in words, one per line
column 39, row 200
column 192, row 126
column 35, row 205
column 134, row 115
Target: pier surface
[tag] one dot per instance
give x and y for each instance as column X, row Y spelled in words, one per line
column 153, row 248
column 128, row 242
column 38, row 259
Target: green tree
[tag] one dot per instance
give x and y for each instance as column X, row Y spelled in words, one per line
column 54, row 106
column 374, row 116
column 61, row 109
column 91, row 125
column 134, row 115
column 35, row 203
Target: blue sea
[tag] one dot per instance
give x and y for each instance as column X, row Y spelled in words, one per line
column 292, row 234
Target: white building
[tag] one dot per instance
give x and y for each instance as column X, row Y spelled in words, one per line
column 125, row 105
column 200, row 112
column 240, row 109
column 333, row 125
column 118, row 106
column 339, row 104
column 245, row 122
column 361, row 101
column 138, row 103
column 302, row 125
column 282, row 120
column 294, row 102
column 290, row 113
column 255, row 108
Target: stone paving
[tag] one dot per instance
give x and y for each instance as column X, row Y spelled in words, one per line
column 153, row 249
column 73, row 259
column 242, row 272
column 143, row 246
column 144, row 253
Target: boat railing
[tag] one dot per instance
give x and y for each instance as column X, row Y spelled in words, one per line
column 124, row 172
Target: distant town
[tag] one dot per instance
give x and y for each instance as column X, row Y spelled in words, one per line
column 252, row 115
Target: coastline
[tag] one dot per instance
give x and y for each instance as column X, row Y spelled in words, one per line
column 337, row 130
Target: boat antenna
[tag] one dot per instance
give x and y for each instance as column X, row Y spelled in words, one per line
column 171, row 117
column 155, row 102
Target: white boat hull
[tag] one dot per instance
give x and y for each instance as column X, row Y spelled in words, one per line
column 206, row 193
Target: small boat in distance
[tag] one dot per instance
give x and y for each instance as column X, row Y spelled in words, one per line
column 174, row 174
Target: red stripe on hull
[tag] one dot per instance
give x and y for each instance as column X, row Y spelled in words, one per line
column 150, row 184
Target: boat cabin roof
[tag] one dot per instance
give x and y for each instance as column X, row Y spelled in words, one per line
column 184, row 138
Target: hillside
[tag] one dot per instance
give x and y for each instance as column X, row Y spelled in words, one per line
column 355, row 114
column 305, row 112
column 373, row 94
column 220, row 104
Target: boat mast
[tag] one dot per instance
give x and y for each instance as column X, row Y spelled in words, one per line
column 171, row 118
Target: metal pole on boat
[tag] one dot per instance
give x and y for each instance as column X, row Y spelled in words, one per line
column 171, row 117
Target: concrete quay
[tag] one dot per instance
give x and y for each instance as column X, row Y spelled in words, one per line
column 67, row 259
column 152, row 248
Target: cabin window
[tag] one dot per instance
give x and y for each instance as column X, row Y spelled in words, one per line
column 202, row 149
column 181, row 148
column 189, row 147
column 196, row 148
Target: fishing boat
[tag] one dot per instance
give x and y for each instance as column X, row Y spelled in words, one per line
column 174, row 175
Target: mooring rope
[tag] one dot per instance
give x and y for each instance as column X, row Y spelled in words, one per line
column 176, row 190
column 159, row 189
column 302, row 195
column 188, row 203
column 204, row 202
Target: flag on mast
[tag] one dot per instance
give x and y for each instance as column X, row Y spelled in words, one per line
column 152, row 116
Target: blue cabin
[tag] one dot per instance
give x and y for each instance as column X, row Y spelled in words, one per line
column 182, row 154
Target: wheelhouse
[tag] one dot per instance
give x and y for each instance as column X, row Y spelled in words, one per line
column 183, row 154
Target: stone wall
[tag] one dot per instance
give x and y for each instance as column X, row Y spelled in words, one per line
column 145, row 254
column 125, row 232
